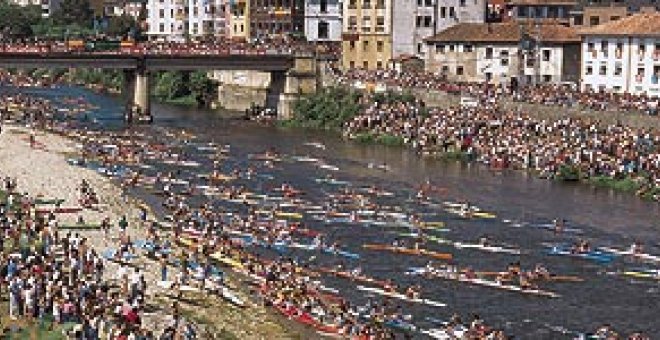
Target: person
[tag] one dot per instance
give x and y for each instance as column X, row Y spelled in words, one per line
column 123, row 223
column 636, row 248
column 163, row 268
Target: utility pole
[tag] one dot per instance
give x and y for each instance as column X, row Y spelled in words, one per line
column 537, row 54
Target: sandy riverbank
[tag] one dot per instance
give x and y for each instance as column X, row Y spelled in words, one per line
column 45, row 172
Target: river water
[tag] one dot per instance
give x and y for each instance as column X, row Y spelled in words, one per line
column 607, row 218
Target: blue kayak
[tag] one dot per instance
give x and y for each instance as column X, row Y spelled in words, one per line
column 594, row 255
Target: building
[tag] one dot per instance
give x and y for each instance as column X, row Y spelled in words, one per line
column 421, row 19
column 367, row 33
column 277, row 18
column 132, row 8
column 623, row 56
column 178, row 20
column 505, row 53
column 554, row 11
column 323, row 20
column 48, row 7
column 592, row 13
column 239, row 20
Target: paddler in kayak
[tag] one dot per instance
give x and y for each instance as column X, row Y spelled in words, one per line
column 636, row 248
column 413, row 292
column 465, row 210
column 559, row 225
column 484, row 241
column 581, row 247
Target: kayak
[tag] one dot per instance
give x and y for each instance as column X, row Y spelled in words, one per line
column 80, row 227
column 409, row 251
column 594, row 255
column 640, row 256
column 231, row 296
column 226, row 261
column 64, row 210
column 472, row 214
column 293, row 215
column 304, row 159
column 445, row 334
column 459, row 277
column 643, row 273
column 48, row 201
column 399, row 296
column 328, row 167
column 491, row 249
column 331, row 181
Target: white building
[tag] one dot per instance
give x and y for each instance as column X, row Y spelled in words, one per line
column 623, row 56
column 47, row 6
column 177, row 20
column 492, row 53
column 416, row 20
column 323, row 20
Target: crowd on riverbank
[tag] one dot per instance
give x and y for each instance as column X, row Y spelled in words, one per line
column 507, row 139
column 554, row 95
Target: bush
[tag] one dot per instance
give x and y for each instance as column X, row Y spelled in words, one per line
column 568, row 173
column 327, row 109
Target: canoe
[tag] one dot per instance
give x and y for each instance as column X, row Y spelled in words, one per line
column 399, row 296
column 293, row 215
column 409, row 251
column 643, row 274
column 80, row 227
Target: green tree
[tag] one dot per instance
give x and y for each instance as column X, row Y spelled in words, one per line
column 17, row 21
column 121, row 26
column 202, row 88
column 78, row 12
column 170, row 85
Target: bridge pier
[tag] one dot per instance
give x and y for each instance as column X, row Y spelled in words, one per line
column 136, row 92
column 300, row 80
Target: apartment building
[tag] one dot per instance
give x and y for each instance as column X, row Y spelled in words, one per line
column 367, row 33
column 239, row 19
column 277, row 18
column 323, row 20
column 623, row 56
column 48, row 7
column 505, row 53
column 178, row 20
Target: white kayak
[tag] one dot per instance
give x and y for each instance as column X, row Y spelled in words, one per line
column 231, row 296
column 641, row 256
column 315, row 145
column 445, row 334
column 400, row 296
column 305, row 159
column 459, row 277
column 328, row 167
column 491, row 249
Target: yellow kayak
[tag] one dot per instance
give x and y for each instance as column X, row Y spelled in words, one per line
column 483, row 214
column 293, row 215
column 432, row 224
column 226, row 261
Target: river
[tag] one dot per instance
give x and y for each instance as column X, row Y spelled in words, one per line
column 607, row 218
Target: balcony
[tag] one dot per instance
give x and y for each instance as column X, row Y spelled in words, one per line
column 654, row 79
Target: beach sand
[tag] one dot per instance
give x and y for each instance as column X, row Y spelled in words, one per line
column 45, row 172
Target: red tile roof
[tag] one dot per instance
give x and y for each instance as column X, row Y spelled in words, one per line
column 508, row 32
column 646, row 24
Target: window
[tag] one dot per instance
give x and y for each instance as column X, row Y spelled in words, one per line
column 467, row 48
column 379, row 65
column 547, row 78
column 352, row 45
column 618, row 69
column 352, row 23
column 504, row 58
column 365, row 46
column 418, row 22
column 161, row 13
column 366, row 3
column 452, row 14
column 428, row 21
column 380, row 24
column 419, row 48
column 324, row 6
column 440, row 48
column 459, row 70
column 589, row 71
column 161, row 28
column 352, row 4
column 380, row 4
column 461, row 3
column 546, row 55
column 443, row 12
column 429, row 3
column 351, row 64
column 594, row 21
column 365, row 64
column 451, row 48
column 602, row 70
column 379, row 46
column 323, row 30
column 445, row 69
column 489, row 53
column 366, row 24
column 614, row 18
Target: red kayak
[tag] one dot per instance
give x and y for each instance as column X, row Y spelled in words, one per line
column 64, row 210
